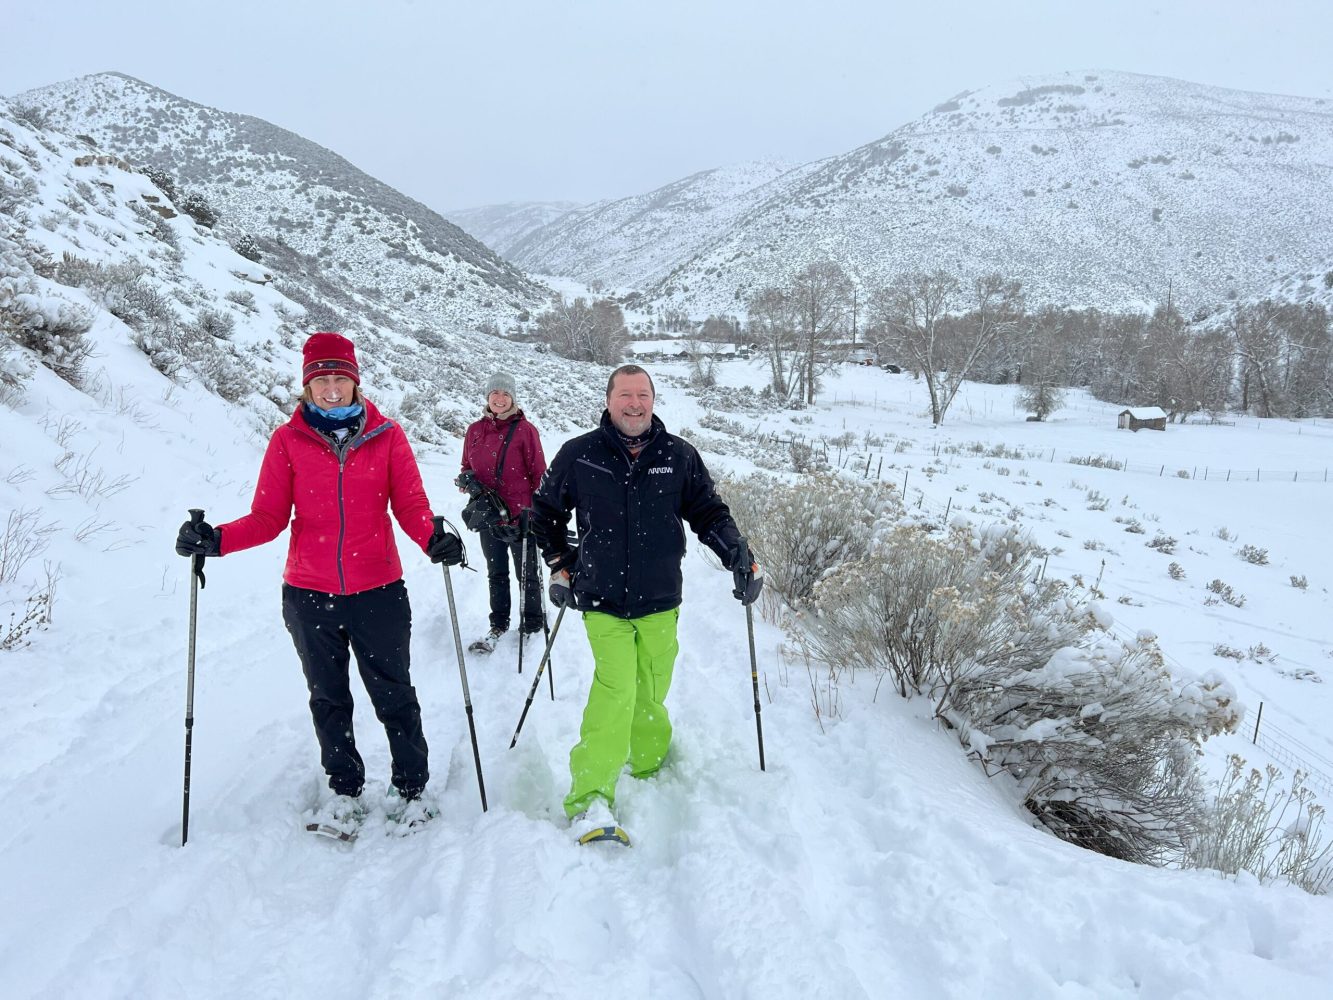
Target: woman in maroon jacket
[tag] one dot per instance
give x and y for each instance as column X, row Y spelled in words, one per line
column 504, row 450
column 342, row 466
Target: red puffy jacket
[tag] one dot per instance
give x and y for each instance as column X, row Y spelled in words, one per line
column 524, row 462
column 342, row 540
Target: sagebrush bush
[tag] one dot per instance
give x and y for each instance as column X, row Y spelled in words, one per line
column 1164, row 544
column 50, row 326
column 1253, row 824
column 1098, row 733
column 1225, row 593
column 1253, row 554
column 804, row 529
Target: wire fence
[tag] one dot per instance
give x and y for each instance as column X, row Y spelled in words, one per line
column 1283, row 747
column 873, row 462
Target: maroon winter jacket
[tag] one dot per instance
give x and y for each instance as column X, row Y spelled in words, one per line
column 342, row 539
column 524, row 461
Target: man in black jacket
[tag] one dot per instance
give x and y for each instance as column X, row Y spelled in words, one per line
column 630, row 484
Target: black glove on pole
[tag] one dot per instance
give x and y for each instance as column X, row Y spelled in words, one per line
column 196, row 581
column 462, row 669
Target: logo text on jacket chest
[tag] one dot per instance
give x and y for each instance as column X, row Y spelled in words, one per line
column 660, row 470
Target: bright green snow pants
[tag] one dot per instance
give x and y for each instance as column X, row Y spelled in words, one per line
column 624, row 719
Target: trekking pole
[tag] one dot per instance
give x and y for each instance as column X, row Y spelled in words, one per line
column 462, row 670
column 524, row 532
column 745, row 558
column 196, row 582
column 538, row 679
column 754, row 681
column 522, row 580
column 546, row 630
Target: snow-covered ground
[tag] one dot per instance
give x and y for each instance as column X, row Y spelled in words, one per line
column 871, row 859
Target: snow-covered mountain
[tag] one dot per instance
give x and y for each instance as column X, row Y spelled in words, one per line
column 638, row 241
column 1092, row 188
column 93, row 253
column 502, row 227
column 276, row 185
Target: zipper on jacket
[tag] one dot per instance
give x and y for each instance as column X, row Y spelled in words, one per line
column 342, row 523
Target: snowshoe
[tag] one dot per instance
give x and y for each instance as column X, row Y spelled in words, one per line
column 486, row 643
column 407, row 816
column 597, row 824
column 338, row 819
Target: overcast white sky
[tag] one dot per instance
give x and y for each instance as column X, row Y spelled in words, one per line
column 467, row 104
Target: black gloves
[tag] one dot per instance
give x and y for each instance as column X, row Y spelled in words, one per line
column 560, row 593
column 444, row 547
column 558, row 562
column 746, row 574
column 198, row 538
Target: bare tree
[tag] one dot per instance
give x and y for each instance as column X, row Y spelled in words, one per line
column 584, row 332
column 1257, row 336
column 944, row 350
column 821, row 295
column 772, row 325
column 1043, row 365
column 911, row 309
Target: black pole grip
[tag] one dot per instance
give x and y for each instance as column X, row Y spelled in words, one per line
column 197, row 563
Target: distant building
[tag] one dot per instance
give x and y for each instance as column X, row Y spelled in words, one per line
column 1138, row 417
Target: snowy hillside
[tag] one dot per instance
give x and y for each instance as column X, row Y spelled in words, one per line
column 277, row 186
column 634, row 242
column 502, row 227
column 88, row 230
column 1092, row 188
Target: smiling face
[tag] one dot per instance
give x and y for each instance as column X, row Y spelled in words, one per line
column 630, row 403
column 499, row 401
column 330, row 391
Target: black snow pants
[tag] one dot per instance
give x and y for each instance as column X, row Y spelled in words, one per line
column 499, row 554
column 377, row 626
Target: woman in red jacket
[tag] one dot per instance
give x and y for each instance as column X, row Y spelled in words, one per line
column 504, row 450
column 342, row 466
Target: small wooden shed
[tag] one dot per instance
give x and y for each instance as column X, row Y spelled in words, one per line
column 1138, row 417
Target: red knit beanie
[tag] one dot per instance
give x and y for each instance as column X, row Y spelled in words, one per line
column 329, row 354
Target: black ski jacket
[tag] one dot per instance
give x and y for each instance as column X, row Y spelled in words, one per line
column 629, row 518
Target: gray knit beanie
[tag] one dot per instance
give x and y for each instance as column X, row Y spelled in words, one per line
column 501, row 382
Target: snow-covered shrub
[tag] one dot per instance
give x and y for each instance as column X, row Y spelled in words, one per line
column 1253, row 554
column 1253, row 824
column 33, row 115
column 1299, row 582
column 15, row 371
column 1224, row 592
column 164, row 181
column 1097, row 462
column 1099, row 735
column 804, row 458
column 804, row 529
column 196, row 206
column 244, row 299
column 49, row 325
column 215, row 323
column 246, row 246
column 1176, row 571
column 1163, row 543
